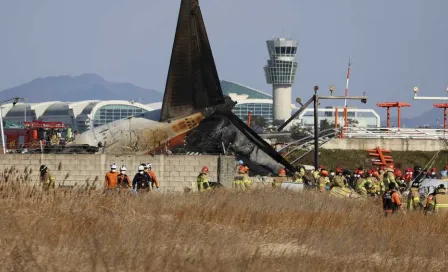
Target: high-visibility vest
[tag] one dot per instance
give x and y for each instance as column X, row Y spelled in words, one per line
column 202, row 182
column 298, row 179
column 47, row 180
column 278, row 181
column 441, row 201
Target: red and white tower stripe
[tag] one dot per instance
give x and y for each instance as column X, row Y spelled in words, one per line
column 348, row 80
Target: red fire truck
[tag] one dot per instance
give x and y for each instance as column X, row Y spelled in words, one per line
column 31, row 133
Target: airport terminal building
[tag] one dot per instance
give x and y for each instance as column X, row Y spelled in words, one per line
column 80, row 116
column 84, row 115
column 249, row 100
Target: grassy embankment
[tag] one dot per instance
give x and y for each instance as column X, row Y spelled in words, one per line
column 352, row 159
column 263, row 230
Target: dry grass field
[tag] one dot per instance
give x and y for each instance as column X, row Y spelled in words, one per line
column 262, row 230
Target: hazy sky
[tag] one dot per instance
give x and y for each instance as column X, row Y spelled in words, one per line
column 394, row 45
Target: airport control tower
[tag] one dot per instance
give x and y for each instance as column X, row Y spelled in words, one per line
column 281, row 73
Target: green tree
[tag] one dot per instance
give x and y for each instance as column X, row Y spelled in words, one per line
column 352, row 122
column 324, row 125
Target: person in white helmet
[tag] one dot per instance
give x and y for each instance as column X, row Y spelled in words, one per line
column 148, row 176
column 140, row 183
column 111, row 178
column 124, row 183
column 154, row 180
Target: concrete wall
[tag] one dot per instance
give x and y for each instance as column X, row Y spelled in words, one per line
column 175, row 173
column 392, row 144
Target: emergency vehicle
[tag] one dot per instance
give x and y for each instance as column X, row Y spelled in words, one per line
column 30, row 133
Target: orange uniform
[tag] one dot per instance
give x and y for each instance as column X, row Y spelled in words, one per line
column 154, row 178
column 111, row 180
column 396, row 199
column 391, row 202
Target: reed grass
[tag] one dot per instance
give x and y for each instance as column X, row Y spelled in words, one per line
column 262, row 230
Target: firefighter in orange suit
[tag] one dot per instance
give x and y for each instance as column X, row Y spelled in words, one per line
column 111, row 178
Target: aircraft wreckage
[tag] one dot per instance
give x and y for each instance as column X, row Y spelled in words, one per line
column 194, row 114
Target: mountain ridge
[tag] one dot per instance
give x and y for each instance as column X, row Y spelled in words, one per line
column 87, row 86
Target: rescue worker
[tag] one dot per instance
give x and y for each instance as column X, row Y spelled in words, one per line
column 140, row 182
column 331, row 179
column 46, row 178
column 339, row 180
column 237, row 182
column 418, row 173
column 316, row 173
column 414, row 197
column 408, row 176
column 302, row 170
column 298, row 178
column 376, row 181
column 391, row 201
column 240, row 163
column 247, row 181
column 322, row 180
column 280, row 179
column 440, row 199
column 372, row 185
column 241, row 180
column 69, row 135
column 429, row 206
column 111, row 178
column 147, row 175
column 379, row 174
column 350, row 177
column 246, row 169
column 202, row 180
column 123, row 181
column 360, row 183
column 382, row 170
column 389, row 177
column 370, row 188
column 431, row 200
column 399, row 179
column 154, row 180
column 370, row 177
column 433, row 173
column 240, row 166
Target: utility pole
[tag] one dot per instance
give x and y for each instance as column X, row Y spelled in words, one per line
column 316, row 128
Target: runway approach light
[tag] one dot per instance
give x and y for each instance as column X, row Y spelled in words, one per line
column 416, row 89
column 332, row 88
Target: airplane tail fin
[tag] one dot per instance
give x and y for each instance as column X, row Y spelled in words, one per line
column 192, row 83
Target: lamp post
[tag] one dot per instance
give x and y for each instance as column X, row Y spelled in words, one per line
column 14, row 100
